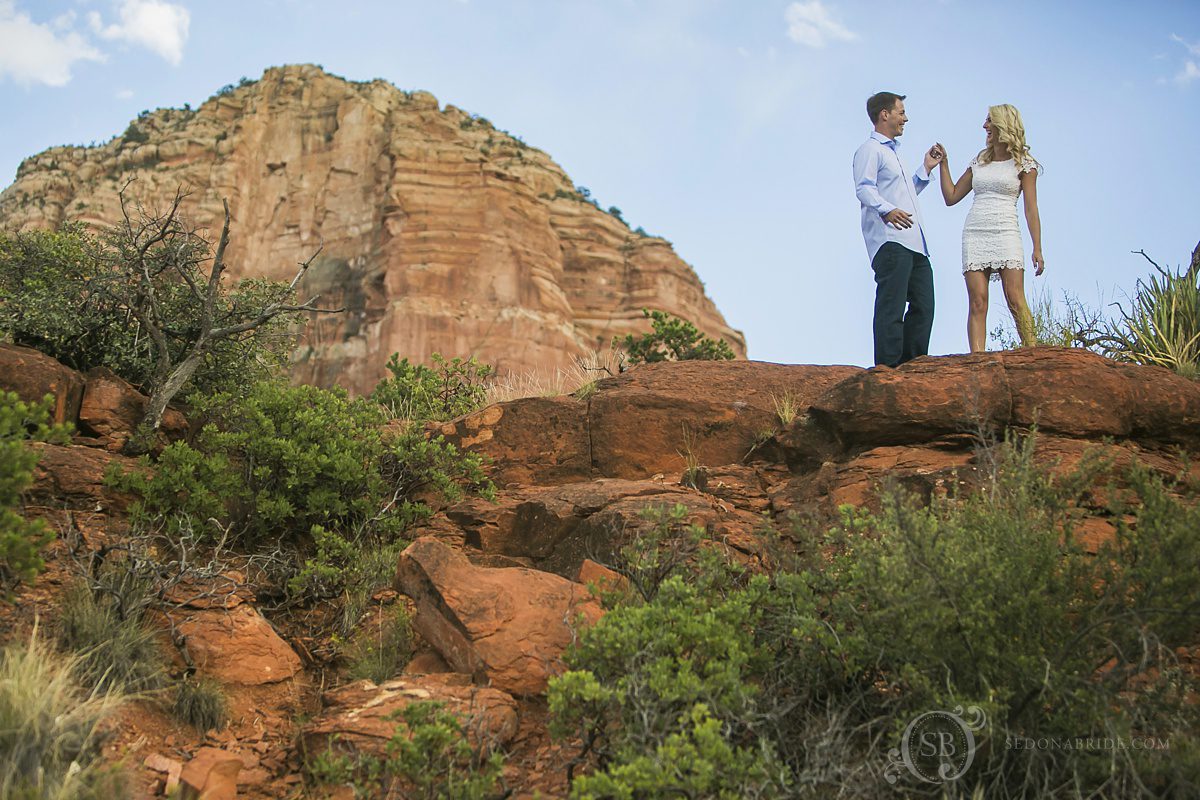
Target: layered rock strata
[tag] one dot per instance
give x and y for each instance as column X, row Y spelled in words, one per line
column 437, row 232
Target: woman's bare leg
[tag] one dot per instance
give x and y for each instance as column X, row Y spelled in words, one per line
column 1013, row 281
column 977, row 306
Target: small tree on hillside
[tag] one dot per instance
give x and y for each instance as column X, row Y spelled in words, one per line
column 673, row 339
column 157, row 271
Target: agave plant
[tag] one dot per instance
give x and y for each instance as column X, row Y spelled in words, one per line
column 1161, row 325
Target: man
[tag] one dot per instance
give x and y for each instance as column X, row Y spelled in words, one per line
column 891, row 226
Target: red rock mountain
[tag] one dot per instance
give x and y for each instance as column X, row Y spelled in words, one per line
column 440, row 232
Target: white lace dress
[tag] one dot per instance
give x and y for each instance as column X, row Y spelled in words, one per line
column 991, row 236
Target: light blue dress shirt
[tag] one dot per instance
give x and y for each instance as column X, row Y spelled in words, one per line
column 882, row 185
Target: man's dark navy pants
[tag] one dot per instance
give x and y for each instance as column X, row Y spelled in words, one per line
column 903, row 304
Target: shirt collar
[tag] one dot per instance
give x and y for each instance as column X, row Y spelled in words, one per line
column 879, row 137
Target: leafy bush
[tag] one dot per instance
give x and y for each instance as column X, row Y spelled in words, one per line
column 201, row 704
column 430, row 756
column 673, row 339
column 1161, row 325
column 272, row 464
column 50, row 730
column 442, row 392
column 985, row 600
column 68, row 294
column 696, row 761
column 21, row 539
column 434, row 756
column 135, row 135
column 303, row 467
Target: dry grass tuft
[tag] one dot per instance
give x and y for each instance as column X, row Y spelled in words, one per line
column 578, row 379
column 50, row 728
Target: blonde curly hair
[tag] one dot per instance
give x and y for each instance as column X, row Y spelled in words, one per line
column 1009, row 130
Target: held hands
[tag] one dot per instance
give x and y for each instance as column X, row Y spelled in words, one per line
column 1039, row 263
column 936, row 155
column 898, row 218
column 939, row 152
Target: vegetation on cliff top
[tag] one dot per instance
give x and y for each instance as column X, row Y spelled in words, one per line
column 709, row 682
column 672, row 339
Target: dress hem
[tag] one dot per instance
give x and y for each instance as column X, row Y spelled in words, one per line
column 993, row 268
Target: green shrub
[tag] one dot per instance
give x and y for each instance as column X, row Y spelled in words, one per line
column 984, row 600
column 442, row 392
column 135, row 135
column 671, row 547
column 638, row 677
column 201, row 704
column 673, row 339
column 303, row 468
column 695, row 761
column 50, row 730
column 272, row 465
column 383, row 650
column 1161, row 326
column 21, row 539
column 67, row 294
column 430, row 756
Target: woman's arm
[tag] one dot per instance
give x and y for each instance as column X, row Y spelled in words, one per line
column 953, row 192
column 1029, row 189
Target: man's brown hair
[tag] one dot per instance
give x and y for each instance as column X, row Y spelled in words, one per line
column 881, row 101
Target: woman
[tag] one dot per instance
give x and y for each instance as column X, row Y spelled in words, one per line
column 992, row 247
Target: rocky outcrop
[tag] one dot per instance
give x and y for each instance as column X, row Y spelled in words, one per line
column 1061, row 391
column 506, row 627
column 101, row 408
column 501, row 587
column 211, row 775
column 32, row 376
column 112, row 409
column 557, row 528
column 74, row 476
column 577, row 474
column 652, row 419
column 361, row 717
column 212, row 636
column 439, row 232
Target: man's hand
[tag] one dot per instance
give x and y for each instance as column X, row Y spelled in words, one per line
column 898, row 218
column 935, row 155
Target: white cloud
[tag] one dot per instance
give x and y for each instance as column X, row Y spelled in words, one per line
column 124, row 94
column 1189, row 73
column 811, row 23
column 157, row 25
column 1193, row 48
column 32, row 52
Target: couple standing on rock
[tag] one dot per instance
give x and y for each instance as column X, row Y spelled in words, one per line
column 991, row 244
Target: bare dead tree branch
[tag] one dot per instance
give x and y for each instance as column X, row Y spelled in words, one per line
column 157, row 250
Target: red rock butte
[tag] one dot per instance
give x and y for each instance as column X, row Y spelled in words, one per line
column 439, row 232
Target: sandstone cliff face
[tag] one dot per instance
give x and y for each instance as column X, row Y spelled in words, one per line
column 439, row 232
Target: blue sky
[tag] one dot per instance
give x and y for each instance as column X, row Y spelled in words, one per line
column 726, row 126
